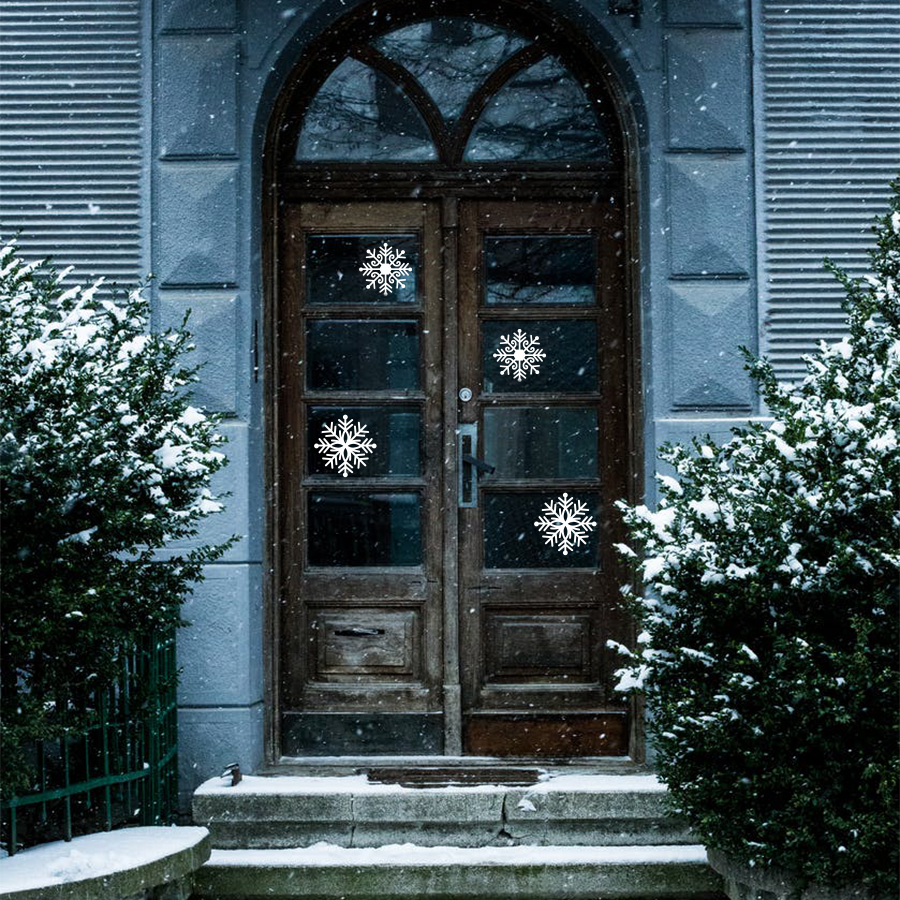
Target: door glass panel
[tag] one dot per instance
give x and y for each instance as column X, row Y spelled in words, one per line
column 529, row 442
column 450, row 56
column 512, row 539
column 539, row 269
column 360, row 115
column 350, row 528
column 541, row 113
column 333, row 263
column 350, row 355
column 390, row 444
column 557, row 355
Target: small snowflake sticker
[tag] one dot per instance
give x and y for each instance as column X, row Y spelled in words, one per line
column 344, row 444
column 565, row 524
column 519, row 354
column 385, row 268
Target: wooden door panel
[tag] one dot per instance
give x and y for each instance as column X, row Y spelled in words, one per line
column 524, row 645
column 377, row 642
column 359, row 544
column 384, row 584
column 575, row 734
column 535, row 621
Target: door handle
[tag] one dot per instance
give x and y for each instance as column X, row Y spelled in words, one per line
column 358, row 632
column 479, row 464
column 469, row 466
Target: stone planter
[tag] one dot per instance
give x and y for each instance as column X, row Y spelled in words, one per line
column 147, row 863
column 741, row 882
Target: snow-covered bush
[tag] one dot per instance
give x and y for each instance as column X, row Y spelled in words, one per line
column 769, row 643
column 103, row 462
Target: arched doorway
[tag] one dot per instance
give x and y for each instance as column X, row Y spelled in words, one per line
column 452, row 392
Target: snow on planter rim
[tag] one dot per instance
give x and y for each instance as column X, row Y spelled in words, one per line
column 94, row 856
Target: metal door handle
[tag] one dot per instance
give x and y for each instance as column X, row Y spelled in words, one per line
column 358, row 632
column 469, row 466
column 479, row 464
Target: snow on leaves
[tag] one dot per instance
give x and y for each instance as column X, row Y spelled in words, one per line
column 565, row 523
column 344, row 445
column 96, row 401
column 770, row 568
column 385, row 268
column 105, row 465
column 519, row 354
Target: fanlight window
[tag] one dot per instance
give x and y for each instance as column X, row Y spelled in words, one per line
column 454, row 90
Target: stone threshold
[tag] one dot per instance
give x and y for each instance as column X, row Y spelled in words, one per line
column 360, row 782
column 352, row 765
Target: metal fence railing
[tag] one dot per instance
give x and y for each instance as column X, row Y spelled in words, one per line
column 122, row 769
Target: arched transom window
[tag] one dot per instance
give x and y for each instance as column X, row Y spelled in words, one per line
column 451, row 91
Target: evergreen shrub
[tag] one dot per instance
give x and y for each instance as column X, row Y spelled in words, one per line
column 103, row 462
column 769, row 637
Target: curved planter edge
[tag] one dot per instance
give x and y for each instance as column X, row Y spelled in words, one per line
column 173, row 870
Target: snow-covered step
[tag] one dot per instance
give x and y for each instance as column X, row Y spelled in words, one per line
column 452, row 873
column 351, row 811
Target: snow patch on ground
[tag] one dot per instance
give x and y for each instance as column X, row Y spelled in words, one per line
column 93, row 856
column 599, row 784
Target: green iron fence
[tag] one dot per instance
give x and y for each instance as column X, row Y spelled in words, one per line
column 120, row 770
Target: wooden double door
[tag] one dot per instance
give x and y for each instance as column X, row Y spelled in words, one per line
column 452, row 420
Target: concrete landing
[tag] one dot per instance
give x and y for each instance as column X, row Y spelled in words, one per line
column 352, row 811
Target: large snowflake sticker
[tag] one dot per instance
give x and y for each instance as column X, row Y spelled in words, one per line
column 385, row 268
column 519, row 354
column 565, row 524
column 344, row 444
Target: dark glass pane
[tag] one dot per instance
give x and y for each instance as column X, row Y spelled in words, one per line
column 539, row 269
column 351, row 355
column 539, row 355
column 450, row 56
column 389, row 446
column 364, row 529
column 333, row 263
column 513, row 540
column 541, row 113
column 360, row 115
column 529, row 442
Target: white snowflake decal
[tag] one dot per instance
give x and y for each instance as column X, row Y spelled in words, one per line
column 519, row 354
column 344, row 443
column 385, row 268
column 564, row 523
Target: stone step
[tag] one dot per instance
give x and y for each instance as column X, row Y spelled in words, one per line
column 325, row 872
column 351, row 811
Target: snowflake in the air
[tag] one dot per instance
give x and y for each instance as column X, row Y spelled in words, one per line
column 385, row 269
column 519, row 354
column 564, row 523
column 344, row 443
